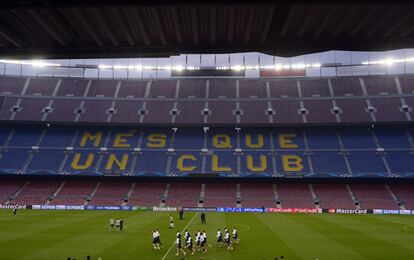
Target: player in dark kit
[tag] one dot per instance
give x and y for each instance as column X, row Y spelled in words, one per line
column 203, row 218
column 228, row 241
column 15, row 212
column 220, row 241
column 186, row 235
column 235, row 236
column 179, row 246
column 121, row 224
column 189, row 241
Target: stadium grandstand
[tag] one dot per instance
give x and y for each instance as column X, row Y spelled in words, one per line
column 250, row 112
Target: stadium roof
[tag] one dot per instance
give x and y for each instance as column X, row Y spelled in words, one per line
column 118, row 28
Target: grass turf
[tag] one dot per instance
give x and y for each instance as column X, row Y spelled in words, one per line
column 42, row 234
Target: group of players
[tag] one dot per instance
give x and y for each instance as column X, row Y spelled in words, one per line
column 201, row 244
column 117, row 225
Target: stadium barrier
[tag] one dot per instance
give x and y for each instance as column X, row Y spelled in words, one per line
column 210, row 209
column 294, row 210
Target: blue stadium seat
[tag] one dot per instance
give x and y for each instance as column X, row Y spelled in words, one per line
column 14, row 159
column 58, row 137
column 189, row 138
column 392, row 137
column 357, row 138
column 26, row 136
column 151, row 163
column 46, row 160
column 322, row 139
column 366, row 164
column 401, row 162
column 4, row 134
column 328, row 164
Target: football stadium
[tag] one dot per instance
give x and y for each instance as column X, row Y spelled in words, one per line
column 206, row 130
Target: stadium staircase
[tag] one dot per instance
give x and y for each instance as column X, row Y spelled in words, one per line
column 90, row 196
column 394, row 197
column 354, row 199
column 128, row 195
column 53, row 196
column 314, row 197
column 276, row 195
column 202, row 195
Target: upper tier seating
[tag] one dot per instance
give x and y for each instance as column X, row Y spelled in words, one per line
column 212, row 101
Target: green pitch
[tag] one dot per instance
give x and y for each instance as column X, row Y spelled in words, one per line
column 38, row 234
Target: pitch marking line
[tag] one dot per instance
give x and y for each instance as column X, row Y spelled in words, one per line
column 172, row 245
column 245, row 226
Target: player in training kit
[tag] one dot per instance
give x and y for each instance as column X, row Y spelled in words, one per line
column 118, row 224
column 179, row 246
column 186, row 235
column 189, row 242
column 203, row 241
column 155, row 237
column 235, row 236
column 158, row 238
column 171, row 221
column 219, row 238
column 228, row 241
column 111, row 224
column 198, row 234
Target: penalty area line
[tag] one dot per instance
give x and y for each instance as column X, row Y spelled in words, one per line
column 172, row 245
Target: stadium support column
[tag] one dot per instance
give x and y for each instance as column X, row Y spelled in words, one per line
column 82, row 103
column 206, row 102
column 238, row 108
column 334, row 105
column 33, row 151
column 136, row 154
column 102, row 153
column 269, row 103
column 175, row 104
column 344, row 153
column 66, row 157
column 404, row 106
column 381, row 153
column 368, row 102
column 9, row 137
column 50, row 104
column 170, row 154
column 113, row 104
column 301, row 104
column 205, row 148
column 19, row 101
column 144, row 104
column 273, row 155
column 238, row 154
column 308, row 153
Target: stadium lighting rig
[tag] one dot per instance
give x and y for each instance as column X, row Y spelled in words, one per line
column 179, row 68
